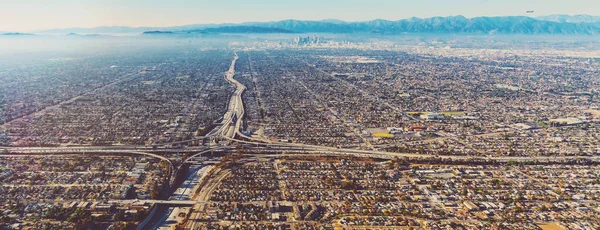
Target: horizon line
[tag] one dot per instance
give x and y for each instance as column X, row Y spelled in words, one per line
column 288, row 19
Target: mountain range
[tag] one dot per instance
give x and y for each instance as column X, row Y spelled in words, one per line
column 552, row 24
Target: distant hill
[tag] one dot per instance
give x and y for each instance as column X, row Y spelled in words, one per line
column 16, row 34
column 99, row 30
column 157, row 32
column 554, row 24
column 86, row 35
column 127, row 29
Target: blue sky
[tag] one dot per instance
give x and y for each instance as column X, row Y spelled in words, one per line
column 31, row 15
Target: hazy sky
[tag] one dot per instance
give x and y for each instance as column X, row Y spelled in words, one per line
column 30, row 15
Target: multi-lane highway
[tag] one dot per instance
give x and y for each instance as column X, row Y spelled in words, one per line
column 232, row 119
